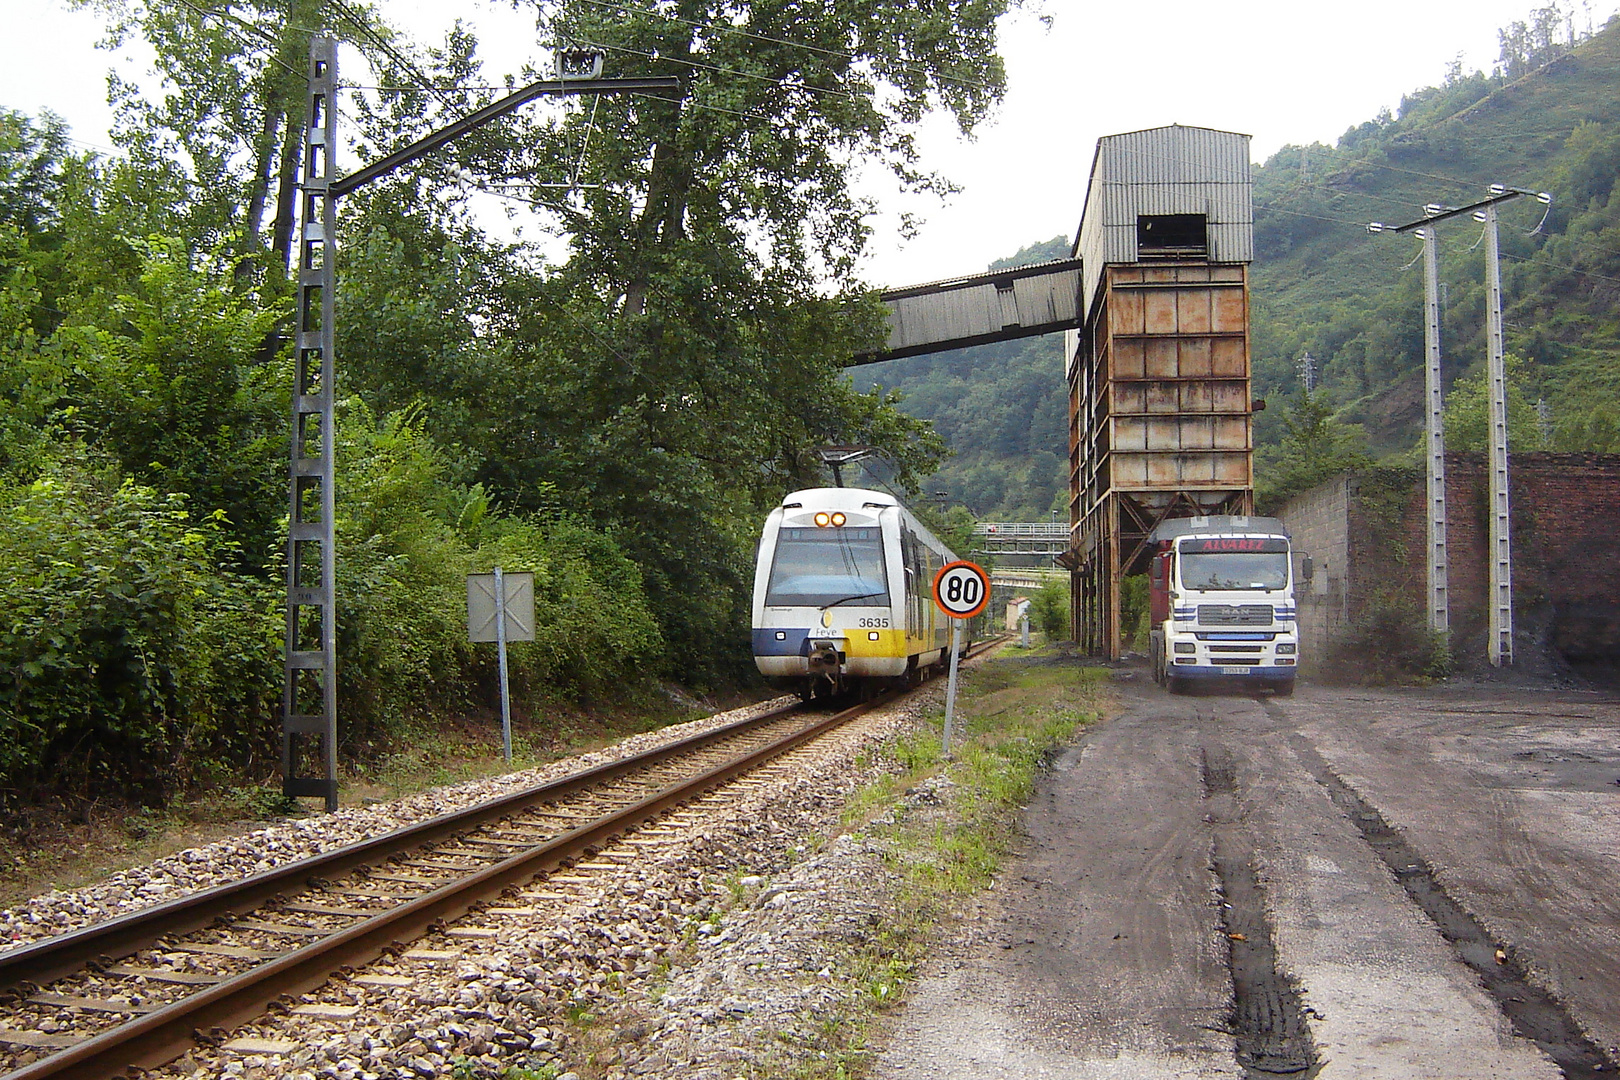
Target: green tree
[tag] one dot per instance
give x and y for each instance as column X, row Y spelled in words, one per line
column 1315, row 447
column 1467, row 415
column 671, row 379
column 32, row 155
column 231, row 107
column 1049, row 610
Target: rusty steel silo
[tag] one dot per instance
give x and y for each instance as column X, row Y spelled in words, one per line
column 1160, row 415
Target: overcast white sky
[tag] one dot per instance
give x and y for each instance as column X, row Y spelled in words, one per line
column 1283, row 71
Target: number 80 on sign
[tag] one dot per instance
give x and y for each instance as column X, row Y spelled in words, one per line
column 961, row 589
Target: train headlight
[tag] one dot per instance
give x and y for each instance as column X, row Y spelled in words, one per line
column 871, row 635
column 838, row 520
column 823, row 519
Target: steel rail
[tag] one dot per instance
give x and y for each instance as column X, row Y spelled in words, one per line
column 156, row 1038
column 51, row 958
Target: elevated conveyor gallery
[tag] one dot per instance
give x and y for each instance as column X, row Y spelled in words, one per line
column 998, row 306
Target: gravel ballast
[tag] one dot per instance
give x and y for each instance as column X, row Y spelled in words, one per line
column 725, row 951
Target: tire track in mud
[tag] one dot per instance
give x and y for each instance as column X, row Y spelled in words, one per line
column 1268, row 1021
column 1534, row 1013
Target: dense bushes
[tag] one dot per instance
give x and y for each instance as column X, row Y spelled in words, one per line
column 407, row 538
column 127, row 655
column 132, row 655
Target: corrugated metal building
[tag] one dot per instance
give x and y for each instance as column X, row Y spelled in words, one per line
column 1166, row 176
column 1159, row 392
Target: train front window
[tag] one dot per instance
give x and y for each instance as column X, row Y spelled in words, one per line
column 823, row 567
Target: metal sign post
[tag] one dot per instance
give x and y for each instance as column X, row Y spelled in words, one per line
column 961, row 591
column 500, row 608
column 950, row 688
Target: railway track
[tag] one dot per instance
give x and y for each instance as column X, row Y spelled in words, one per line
column 137, row 991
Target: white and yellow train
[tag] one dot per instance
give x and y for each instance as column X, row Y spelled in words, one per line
column 843, row 594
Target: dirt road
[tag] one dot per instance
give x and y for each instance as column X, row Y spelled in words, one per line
column 1404, row 884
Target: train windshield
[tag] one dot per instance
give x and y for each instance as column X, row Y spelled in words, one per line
column 1209, row 565
column 822, row 567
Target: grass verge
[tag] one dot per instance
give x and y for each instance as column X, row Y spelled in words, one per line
column 948, row 827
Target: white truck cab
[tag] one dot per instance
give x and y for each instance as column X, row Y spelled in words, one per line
column 1221, row 590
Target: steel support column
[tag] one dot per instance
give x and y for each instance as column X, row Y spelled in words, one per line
column 309, row 692
column 309, row 696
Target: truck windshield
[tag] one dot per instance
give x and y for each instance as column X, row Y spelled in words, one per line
column 821, row 567
column 1209, row 571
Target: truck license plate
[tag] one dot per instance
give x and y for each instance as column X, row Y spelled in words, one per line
column 1234, row 671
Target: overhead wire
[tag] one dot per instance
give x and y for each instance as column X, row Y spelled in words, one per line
column 1559, row 266
column 1314, row 217
column 376, row 39
column 228, row 19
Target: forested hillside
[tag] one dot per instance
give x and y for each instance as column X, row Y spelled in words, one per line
column 1546, row 119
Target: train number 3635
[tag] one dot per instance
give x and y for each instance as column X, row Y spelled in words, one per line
column 875, row 624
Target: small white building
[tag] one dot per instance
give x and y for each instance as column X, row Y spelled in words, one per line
column 1017, row 608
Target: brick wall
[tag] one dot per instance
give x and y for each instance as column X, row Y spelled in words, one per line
column 1368, row 528
column 1319, row 524
column 1566, row 553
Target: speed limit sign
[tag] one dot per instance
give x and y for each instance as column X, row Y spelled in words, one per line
column 961, row 589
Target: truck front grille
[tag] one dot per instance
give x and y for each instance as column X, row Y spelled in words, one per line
column 1234, row 614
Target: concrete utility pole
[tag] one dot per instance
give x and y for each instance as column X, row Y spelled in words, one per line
column 1500, row 646
column 309, row 689
column 1439, row 606
column 1501, row 547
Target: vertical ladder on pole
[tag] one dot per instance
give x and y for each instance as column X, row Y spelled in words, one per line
column 1501, row 548
column 1439, row 601
column 309, row 693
